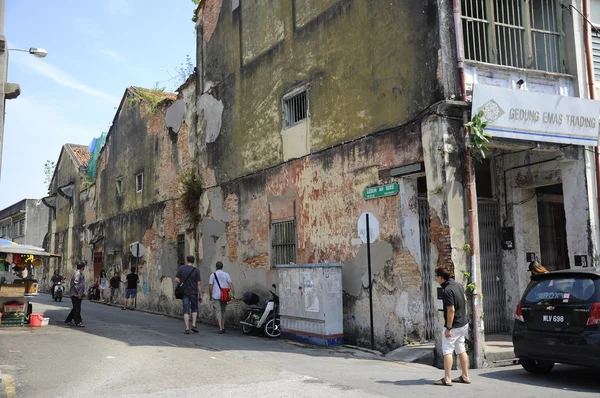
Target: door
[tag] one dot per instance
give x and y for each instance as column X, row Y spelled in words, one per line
column 490, row 249
column 98, row 265
column 553, row 235
column 426, row 270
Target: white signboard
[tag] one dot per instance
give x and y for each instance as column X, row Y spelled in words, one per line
column 524, row 115
column 137, row 249
column 373, row 227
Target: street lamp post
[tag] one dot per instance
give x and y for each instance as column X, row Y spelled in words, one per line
column 9, row 90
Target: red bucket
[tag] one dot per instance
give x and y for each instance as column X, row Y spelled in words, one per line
column 35, row 320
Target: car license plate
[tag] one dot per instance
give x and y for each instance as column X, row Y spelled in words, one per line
column 553, row 319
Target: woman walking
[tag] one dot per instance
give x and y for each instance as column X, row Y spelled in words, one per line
column 77, row 292
column 102, row 284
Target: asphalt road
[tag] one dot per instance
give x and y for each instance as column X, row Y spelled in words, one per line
column 135, row 354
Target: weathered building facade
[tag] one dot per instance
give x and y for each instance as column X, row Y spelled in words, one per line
column 24, row 222
column 132, row 196
column 303, row 115
column 303, row 105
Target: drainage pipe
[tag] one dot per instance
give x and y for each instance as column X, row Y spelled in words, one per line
column 592, row 93
column 472, row 201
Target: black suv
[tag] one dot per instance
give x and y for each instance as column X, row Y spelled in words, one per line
column 558, row 320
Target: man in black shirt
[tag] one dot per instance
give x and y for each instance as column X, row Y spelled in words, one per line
column 456, row 327
column 56, row 279
column 115, row 287
column 192, row 292
column 131, row 291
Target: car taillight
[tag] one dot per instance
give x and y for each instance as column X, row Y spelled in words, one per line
column 519, row 313
column 594, row 318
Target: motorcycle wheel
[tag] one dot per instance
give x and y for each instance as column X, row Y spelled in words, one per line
column 273, row 327
column 246, row 329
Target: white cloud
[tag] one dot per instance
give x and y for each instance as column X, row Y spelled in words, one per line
column 62, row 78
column 123, row 7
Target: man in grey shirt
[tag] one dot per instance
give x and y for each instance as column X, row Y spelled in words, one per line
column 77, row 292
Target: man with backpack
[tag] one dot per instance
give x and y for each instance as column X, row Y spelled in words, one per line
column 221, row 292
column 192, row 292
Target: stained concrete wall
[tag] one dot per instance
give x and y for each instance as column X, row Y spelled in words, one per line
column 368, row 66
column 36, row 224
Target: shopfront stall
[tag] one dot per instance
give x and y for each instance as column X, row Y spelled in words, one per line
column 17, row 283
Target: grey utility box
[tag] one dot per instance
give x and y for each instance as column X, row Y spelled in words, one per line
column 311, row 303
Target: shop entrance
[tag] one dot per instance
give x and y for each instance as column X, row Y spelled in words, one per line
column 552, row 224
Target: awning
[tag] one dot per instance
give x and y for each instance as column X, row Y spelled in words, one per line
column 6, row 246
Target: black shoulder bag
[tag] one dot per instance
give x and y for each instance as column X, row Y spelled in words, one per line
column 179, row 293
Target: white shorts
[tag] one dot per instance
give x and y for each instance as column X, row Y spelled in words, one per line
column 456, row 342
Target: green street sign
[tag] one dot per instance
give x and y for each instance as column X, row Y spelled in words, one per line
column 381, row 191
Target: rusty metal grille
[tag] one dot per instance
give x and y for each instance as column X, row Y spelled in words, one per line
column 492, row 279
column 283, row 242
column 510, row 33
column 426, row 270
column 295, row 109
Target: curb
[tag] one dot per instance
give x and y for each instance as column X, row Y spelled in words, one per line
column 180, row 317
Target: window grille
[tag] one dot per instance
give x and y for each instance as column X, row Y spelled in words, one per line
column 19, row 228
column 283, row 242
column 295, row 109
column 181, row 249
column 511, row 33
column 596, row 52
column 139, row 182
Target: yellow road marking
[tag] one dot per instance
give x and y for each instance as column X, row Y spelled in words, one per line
column 9, row 386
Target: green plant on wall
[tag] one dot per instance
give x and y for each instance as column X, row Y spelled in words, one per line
column 478, row 136
column 152, row 98
column 191, row 191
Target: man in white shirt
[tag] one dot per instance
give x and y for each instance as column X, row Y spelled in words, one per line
column 220, row 280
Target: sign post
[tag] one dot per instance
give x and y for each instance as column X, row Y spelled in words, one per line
column 368, row 230
column 370, row 283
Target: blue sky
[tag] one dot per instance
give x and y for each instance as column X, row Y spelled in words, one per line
column 95, row 50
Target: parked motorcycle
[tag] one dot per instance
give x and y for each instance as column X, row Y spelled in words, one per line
column 262, row 317
column 57, row 293
column 94, row 292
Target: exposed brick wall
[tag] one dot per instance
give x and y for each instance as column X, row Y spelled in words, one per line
column 440, row 238
column 233, row 228
column 210, row 17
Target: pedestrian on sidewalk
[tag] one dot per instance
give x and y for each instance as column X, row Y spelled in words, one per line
column 222, row 281
column 131, row 290
column 76, row 292
column 192, row 292
column 102, row 284
column 115, row 287
column 456, row 327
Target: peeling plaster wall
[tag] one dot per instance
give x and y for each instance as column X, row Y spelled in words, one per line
column 324, row 194
column 108, row 223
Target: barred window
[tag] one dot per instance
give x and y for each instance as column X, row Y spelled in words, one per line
column 283, row 242
column 513, row 33
column 181, row 249
column 19, row 228
column 295, row 109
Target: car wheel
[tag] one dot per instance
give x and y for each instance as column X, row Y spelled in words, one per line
column 537, row 367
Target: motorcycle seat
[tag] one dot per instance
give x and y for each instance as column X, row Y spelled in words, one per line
column 256, row 307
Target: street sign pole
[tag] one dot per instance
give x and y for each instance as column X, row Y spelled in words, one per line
column 370, row 283
column 137, row 264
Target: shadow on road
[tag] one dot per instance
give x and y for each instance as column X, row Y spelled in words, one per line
column 137, row 328
column 566, row 378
